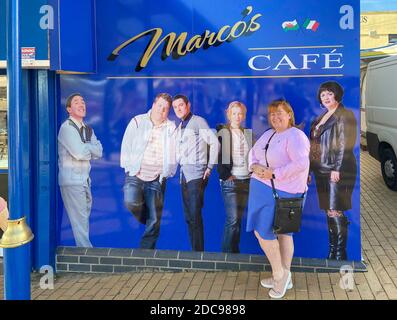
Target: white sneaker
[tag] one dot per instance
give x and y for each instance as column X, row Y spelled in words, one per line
column 268, row 283
column 279, row 294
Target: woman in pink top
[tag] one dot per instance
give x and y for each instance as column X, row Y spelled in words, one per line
column 288, row 157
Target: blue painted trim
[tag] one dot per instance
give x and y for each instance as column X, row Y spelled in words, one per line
column 55, row 63
column 25, row 143
column 17, row 273
column 3, row 28
column 58, row 200
column 44, row 160
column 16, row 260
column 15, row 116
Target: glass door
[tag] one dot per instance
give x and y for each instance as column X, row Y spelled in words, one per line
column 3, row 143
column 3, row 124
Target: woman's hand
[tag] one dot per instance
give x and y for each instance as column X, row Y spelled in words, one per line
column 258, row 169
column 267, row 174
column 207, row 173
column 335, row 176
column 262, row 172
column 231, row 178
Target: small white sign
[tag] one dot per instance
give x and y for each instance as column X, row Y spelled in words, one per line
column 28, row 56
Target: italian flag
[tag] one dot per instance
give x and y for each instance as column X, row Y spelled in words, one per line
column 290, row 25
column 311, row 24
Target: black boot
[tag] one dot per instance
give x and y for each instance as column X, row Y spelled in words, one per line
column 331, row 238
column 338, row 228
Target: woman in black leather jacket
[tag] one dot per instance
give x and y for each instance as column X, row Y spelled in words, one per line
column 332, row 138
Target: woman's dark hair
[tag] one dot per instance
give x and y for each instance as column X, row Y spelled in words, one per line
column 332, row 86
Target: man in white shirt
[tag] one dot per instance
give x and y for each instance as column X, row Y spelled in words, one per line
column 77, row 145
column 148, row 158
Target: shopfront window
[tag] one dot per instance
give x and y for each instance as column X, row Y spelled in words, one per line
column 3, row 124
column 392, row 38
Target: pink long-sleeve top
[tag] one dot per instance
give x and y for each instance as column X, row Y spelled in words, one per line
column 288, row 156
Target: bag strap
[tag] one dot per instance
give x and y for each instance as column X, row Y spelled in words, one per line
column 276, row 196
column 267, row 163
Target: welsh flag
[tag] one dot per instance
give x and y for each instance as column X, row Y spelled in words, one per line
column 290, row 25
column 311, row 24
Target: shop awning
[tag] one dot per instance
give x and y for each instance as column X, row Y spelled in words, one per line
column 379, row 52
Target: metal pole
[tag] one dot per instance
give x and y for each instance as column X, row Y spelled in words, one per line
column 15, row 240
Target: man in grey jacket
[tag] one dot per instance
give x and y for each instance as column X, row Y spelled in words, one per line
column 77, row 145
column 193, row 139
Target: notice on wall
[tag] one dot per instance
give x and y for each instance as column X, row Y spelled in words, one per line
column 28, row 55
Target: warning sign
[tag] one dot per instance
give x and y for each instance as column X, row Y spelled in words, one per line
column 28, row 56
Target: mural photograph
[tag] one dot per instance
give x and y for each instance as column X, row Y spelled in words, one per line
column 201, row 116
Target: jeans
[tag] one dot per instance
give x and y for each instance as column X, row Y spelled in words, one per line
column 145, row 200
column 235, row 197
column 193, row 202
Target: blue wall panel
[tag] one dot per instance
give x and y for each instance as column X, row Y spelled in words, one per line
column 43, row 122
column 3, row 32
column 32, row 34
column 72, row 43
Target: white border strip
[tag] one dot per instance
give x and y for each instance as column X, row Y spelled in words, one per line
column 37, row 64
column 303, row 47
column 224, row 77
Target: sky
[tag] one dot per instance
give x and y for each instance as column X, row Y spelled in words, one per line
column 378, row 5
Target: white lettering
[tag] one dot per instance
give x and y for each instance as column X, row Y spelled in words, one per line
column 306, row 60
column 287, row 62
column 328, row 60
column 47, row 21
column 178, row 311
column 47, row 281
column 252, row 60
column 347, row 278
column 347, row 20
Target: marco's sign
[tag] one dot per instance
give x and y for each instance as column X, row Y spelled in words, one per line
column 179, row 46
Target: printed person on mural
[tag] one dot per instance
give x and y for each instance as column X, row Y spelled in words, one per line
column 333, row 136
column 194, row 138
column 148, row 158
column 235, row 143
column 77, row 145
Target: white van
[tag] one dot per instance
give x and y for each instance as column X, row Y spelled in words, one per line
column 380, row 101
